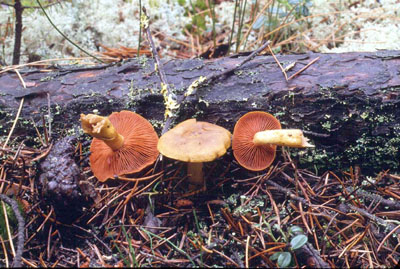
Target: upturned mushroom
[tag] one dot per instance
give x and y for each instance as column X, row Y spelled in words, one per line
column 123, row 143
column 195, row 142
column 256, row 136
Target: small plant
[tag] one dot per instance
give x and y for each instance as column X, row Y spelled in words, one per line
column 297, row 240
column 271, row 23
column 198, row 24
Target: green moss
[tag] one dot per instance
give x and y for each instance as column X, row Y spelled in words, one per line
column 244, row 208
column 316, row 159
column 364, row 115
column 143, row 61
column 47, row 78
column 380, row 153
column 157, row 124
column 374, row 143
column 326, row 125
column 198, row 113
column 239, row 73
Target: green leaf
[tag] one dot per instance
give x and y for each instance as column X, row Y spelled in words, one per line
column 295, row 230
column 298, row 241
column 275, row 256
column 284, row 259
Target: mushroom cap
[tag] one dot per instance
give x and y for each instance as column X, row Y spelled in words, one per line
column 138, row 151
column 195, row 141
column 250, row 156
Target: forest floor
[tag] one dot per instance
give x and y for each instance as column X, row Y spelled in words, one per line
column 283, row 216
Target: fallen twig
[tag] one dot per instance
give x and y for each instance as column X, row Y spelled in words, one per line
column 18, row 112
column 315, row 255
column 169, row 97
column 304, row 68
column 372, row 217
column 376, row 197
column 283, row 69
column 21, row 229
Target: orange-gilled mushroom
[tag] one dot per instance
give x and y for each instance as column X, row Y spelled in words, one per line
column 255, row 137
column 195, row 142
column 123, row 143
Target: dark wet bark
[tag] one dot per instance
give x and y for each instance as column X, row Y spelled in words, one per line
column 348, row 104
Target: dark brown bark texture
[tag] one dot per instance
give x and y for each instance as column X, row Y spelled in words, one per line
column 348, row 104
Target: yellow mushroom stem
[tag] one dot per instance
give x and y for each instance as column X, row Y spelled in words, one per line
column 102, row 128
column 282, row 137
column 195, row 174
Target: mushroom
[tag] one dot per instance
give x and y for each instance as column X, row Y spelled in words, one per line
column 195, row 142
column 123, row 143
column 256, row 136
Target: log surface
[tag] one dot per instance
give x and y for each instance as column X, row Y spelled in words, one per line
column 348, row 104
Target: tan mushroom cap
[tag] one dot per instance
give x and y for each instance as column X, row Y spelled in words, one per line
column 195, row 141
column 138, row 151
column 250, row 156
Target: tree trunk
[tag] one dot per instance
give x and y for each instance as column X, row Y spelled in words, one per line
column 348, row 104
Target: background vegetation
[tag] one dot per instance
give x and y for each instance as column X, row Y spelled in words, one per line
column 189, row 28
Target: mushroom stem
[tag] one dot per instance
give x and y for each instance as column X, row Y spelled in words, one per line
column 102, row 128
column 196, row 176
column 282, row 137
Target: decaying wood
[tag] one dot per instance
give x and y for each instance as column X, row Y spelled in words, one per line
column 348, row 104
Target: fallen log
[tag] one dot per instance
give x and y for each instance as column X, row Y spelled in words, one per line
column 347, row 104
